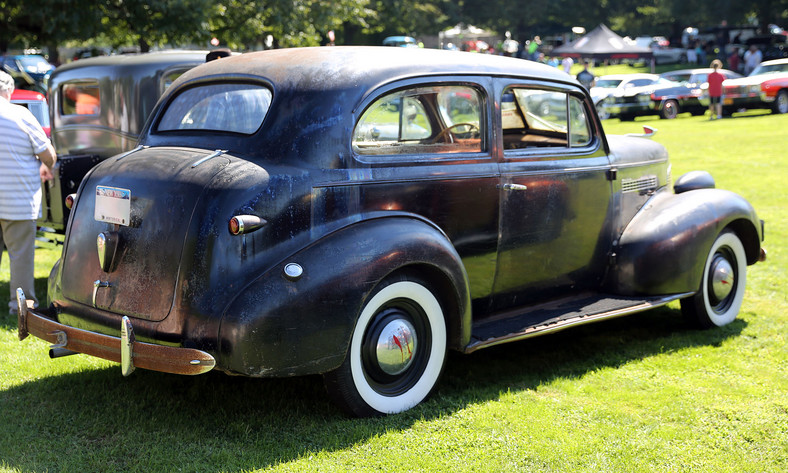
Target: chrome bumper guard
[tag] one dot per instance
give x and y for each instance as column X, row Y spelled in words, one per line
column 124, row 350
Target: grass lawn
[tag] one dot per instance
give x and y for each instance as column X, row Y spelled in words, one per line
column 643, row 393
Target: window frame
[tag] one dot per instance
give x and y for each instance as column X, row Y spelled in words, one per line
column 481, row 84
column 157, row 131
column 566, row 152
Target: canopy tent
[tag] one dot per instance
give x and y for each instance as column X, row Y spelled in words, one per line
column 602, row 43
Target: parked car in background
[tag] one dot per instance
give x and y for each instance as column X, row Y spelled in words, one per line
column 632, row 102
column 612, row 84
column 675, row 92
column 685, row 96
column 265, row 228
column 765, row 87
column 36, row 103
column 30, row 71
column 98, row 107
column 401, row 41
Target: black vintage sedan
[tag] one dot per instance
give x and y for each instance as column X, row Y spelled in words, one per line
column 357, row 212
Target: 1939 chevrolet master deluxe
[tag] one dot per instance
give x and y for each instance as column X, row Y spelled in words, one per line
column 357, row 212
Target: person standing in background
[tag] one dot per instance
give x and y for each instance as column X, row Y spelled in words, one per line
column 715, row 90
column 26, row 158
column 752, row 58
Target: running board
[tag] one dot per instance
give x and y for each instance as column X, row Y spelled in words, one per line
column 559, row 315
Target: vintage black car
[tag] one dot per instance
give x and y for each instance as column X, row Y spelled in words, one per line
column 357, row 212
column 98, row 107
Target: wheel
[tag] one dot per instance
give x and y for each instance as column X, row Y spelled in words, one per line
column 721, row 292
column 670, row 109
column 781, row 102
column 396, row 354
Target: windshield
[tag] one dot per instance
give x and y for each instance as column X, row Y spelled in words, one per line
column 770, row 69
column 236, row 108
column 607, row 83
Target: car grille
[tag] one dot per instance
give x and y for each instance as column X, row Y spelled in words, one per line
column 645, row 183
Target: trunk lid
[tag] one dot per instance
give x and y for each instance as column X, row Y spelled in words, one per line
column 161, row 189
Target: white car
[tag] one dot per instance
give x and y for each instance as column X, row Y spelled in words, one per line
column 609, row 85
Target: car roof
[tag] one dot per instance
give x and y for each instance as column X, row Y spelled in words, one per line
column 775, row 61
column 343, row 67
column 158, row 57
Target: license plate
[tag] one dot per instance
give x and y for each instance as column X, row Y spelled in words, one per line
column 727, row 101
column 113, row 205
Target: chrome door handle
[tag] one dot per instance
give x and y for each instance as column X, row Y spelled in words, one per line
column 513, row 187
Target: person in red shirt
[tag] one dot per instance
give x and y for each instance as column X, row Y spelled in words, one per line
column 715, row 89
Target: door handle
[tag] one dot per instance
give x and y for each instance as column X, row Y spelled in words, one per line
column 513, row 187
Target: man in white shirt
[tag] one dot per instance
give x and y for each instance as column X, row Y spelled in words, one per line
column 752, row 58
column 26, row 157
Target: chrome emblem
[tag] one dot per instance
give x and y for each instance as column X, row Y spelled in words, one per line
column 107, row 245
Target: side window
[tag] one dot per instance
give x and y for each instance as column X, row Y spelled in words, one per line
column 82, row 98
column 533, row 118
column 579, row 129
column 422, row 120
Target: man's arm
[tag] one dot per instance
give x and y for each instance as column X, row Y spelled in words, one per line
column 48, row 156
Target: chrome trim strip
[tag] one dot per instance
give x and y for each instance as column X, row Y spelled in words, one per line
column 215, row 154
column 131, row 152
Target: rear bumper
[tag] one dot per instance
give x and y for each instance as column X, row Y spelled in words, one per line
column 125, row 350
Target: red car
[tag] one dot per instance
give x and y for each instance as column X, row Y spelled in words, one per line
column 765, row 87
column 36, row 103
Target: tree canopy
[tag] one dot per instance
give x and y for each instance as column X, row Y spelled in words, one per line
column 242, row 24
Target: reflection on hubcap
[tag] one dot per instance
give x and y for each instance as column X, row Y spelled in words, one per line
column 722, row 278
column 396, row 347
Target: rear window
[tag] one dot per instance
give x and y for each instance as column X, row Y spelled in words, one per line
column 235, row 108
column 81, row 98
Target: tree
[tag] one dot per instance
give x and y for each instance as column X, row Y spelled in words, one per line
column 154, row 22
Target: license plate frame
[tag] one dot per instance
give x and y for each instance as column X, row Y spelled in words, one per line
column 113, row 205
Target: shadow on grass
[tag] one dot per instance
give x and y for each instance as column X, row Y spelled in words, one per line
column 96, row 420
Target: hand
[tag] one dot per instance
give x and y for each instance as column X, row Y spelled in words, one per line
column 45, row 173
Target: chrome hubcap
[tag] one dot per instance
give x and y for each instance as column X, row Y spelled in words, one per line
column 396, row 347
column 722, row 278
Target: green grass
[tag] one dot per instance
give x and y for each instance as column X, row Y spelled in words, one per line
column 643, row 393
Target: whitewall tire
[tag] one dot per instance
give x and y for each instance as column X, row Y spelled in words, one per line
column 396, row 354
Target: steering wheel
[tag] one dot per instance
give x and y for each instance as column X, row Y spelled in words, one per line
column 472, row 128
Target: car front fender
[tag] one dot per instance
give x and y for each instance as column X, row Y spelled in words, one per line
column 290, row 324
column 663, row 248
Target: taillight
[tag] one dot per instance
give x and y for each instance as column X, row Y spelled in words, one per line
column 241, row 224
column 70, row 200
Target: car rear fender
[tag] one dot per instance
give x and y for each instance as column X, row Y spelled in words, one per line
column 286, row 324
column 663, row 248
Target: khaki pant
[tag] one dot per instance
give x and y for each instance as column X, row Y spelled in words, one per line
column 19, row 238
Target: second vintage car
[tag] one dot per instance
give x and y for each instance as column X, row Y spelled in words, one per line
column 358, row 212
column 98, row 108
